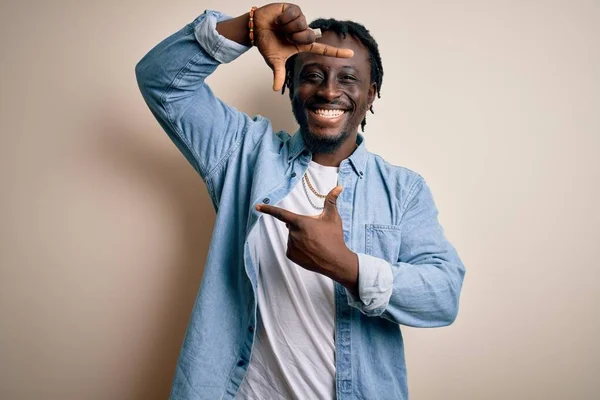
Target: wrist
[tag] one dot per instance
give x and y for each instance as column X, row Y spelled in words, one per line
column 345, row 272
column 236, row 29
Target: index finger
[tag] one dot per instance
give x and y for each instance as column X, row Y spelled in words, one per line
column 325, row 50
column 283, row 215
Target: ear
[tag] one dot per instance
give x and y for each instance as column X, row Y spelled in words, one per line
column 371, row 94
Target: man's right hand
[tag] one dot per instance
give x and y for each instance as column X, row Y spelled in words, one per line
column 280, row 31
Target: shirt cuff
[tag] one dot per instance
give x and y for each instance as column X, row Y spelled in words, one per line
column 375, row 284
column 218, row 46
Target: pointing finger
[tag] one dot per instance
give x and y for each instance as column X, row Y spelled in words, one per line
column 283, row 215
column 326, row 50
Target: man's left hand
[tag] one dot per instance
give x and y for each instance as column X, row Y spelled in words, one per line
column 317, row 243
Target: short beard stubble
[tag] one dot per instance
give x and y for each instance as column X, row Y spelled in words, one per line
column 315, row 143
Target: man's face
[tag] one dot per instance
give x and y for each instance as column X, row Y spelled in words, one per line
column 330, row 96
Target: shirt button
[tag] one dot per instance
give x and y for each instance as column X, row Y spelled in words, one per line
column 266, row 200
column 293, row 174
column 251, row 328
column 241, row 363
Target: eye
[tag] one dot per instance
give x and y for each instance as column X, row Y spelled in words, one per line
column 311, row 76
column 348, row 78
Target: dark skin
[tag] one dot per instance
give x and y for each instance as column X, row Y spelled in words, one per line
column 332, row 73
column 333, row 84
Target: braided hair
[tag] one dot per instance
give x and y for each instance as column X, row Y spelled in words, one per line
column 344, row 28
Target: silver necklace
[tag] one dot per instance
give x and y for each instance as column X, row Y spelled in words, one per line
column 308, row 195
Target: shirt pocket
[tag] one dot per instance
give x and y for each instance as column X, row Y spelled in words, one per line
column 383, row 241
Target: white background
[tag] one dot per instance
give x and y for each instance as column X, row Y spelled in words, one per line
column 104, row 227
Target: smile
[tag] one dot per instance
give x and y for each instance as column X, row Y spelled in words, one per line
column 328, row 117
column 329, row 114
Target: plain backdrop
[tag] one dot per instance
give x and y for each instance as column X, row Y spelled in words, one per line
column 104, row 227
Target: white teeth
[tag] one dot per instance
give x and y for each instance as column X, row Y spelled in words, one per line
column 329, row 113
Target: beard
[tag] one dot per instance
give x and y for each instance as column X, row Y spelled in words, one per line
column 313, row 142
column 323, row 145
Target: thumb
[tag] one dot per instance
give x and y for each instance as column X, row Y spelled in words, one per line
column 330, row 206
column 278, row 74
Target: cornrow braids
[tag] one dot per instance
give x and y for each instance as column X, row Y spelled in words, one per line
column 344, row 28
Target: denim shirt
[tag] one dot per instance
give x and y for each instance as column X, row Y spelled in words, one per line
column 409, row 273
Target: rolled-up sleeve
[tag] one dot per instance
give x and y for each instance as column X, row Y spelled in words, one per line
column 172, row 80
column 219, row 47
column 375, row 283
column 421, row 289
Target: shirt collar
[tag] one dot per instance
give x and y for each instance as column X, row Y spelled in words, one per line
column 358, row 159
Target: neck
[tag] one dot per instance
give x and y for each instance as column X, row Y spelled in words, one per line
column 335, row 159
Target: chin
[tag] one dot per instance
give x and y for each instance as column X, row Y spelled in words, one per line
column 327, row 133
column 321, row 141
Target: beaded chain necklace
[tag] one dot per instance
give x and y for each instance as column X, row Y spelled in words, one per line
column 305, row 183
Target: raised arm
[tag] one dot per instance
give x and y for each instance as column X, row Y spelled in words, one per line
column 280, row 30
column 172, row 77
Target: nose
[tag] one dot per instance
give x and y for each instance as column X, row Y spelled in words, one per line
column 329, row 89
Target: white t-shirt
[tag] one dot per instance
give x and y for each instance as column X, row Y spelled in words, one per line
column 293, row 356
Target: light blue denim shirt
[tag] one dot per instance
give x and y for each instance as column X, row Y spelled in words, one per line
column 409, row 273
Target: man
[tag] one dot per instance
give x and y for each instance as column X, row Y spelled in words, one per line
column 320, row 248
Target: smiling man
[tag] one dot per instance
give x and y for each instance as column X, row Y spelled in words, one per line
column 320, row 248
column 330, row 96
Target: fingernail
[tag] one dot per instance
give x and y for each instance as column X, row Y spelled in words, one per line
column 317, row 32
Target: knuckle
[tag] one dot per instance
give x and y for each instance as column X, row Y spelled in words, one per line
column 308, row 39
column 297, row 25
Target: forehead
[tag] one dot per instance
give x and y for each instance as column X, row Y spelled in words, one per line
column 360, row 60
